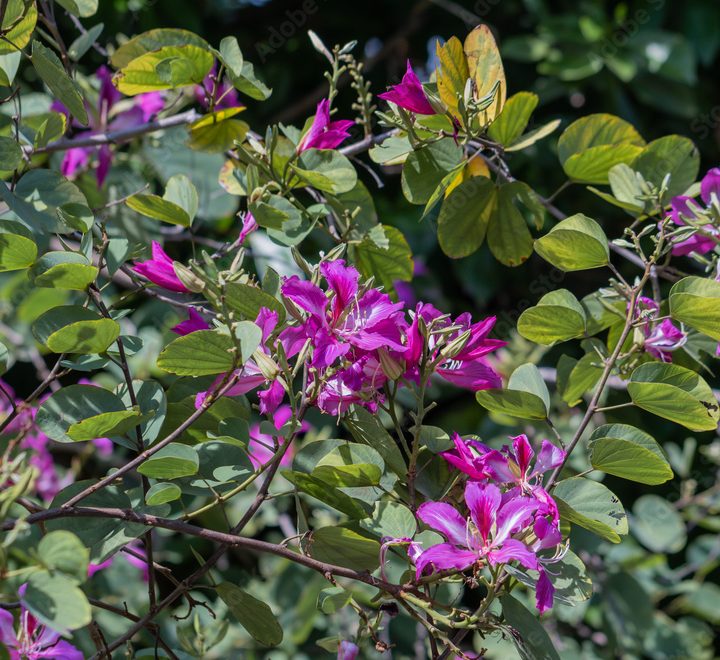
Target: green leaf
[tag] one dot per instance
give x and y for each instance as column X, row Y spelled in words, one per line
column 10, row 153
column 323, row 492
column 63, row 270
column 386, row 263
column 327, row 170
column 425, row 168
column 75, row 329
column 84, row 42
column 200, row 353
column 531, row 639
column 254, row 615
column 557, row 317
column 50, row 69
column 485, row 68
column 390, row 519
column 104, row 425
column 531, row 137
column 658, row 525
column 343, row 547
column 62, row 551
column 248, row 300
column 675, row 155
column 628, row 609
column 592, row 506
column 675, row 393
column 333, row 599
column 367, row 429
column 81, row 8
column 696, row 302
column 56, row 601
column 162, row 493
column 508, row 236
column 575, row 377
column 218, row 131
column 348, row 476
column 171, row 462
column 71, row 405
column 16, row 251
column 514, row 118
column 167, row 68
column 527, row 378
column 627, row 452
column 246, row 82
column 153, row 40
column 9, row 64
column 513, row 403
column 221, row 463
column 576, row 243
column 4, row 358
column 465, row 215
column 590, row 146
column 158, row 208
column 18, row 26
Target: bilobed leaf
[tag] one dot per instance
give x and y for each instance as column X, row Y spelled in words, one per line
column 425, row 168
column 62, row 551
column 162, row 493
column 575, row 377
column 254, row 615
column 154, row 206
column 246, row 82
column 171, row 462
column 218, row 131
column 508, row 235
column 81, row 8
column 385, row 264
column 527, row 378
column 200, row 353
column 104, row 425
column 9, row 65
column 696, row 302
column 514, row 118
column 17, row 251
column 675, row 393
column 56, row 601
column 675, row 155
column 84, row 42
column 465, row 216
column 367, row 429
column 658, row 525
column 514, row 403
column 181, row 191
column 63, row 270
column 326, row 493
column 343, row 547
column 590, row 146
column 390, row 519
column 452, row 74
column 73, row 404
column 576, row 243
column 154, row 40
column 348, row 476
column 221, row 464
column 531, row 639
column 75, row 329
column 50, row 69
column 486, row 69
column 332, row 599
column 166, row 68
column 627, row 452
column 10, row 153
column 558, row 316
column 592, row 506
column 22, row 18
column 248, row 300
column 327, row 170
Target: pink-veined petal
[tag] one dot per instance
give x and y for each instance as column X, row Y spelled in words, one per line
column 444, row 556
column 445, row 519
column 483, row 502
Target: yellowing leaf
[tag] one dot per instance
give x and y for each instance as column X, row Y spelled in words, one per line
column 452, row 74
column 486, row 69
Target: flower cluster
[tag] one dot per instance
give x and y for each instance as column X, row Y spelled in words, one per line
column 512, row 518
column 687, row 211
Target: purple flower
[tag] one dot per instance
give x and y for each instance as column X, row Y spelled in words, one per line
column 102, row 119
column 686, row 210
column 135, row 555
column 249, row 225
column 409, row 94
column 661, row 339
column 484, row 538
column 261, row 447
column 193, row 323
column 159, row 270
column 466, row 460
column 323, row 133
column 347, row 651
column 33, row 639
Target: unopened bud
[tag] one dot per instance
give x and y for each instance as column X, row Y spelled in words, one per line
column 456, row 345
column 189, row 279
column 391, row 367
column 266, row 364
column 303, row 265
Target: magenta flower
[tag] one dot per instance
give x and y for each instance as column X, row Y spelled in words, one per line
column 193, row 323
column 159, row 270
column 33, row 639
column 409, row 94
column 225, row 94
column 261, row 447
column 548, row 536
column 484, row 538
column 249, row 225
column 466, row 460
column 661, row 339
column 323, row 133
column 135, row 555
column 347, row 650
column 686, row 210
column 104, row 118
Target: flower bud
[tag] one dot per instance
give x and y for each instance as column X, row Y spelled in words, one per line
column 189, row 279
column 266, row 364
column 391, row 367
column 456, row 345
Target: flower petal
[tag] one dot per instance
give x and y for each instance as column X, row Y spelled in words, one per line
column 445, row 519
column 483, row 502
column 444, row 556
